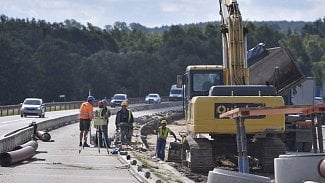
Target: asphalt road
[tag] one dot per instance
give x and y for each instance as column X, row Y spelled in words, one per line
column 60, row 161
column 11, row 123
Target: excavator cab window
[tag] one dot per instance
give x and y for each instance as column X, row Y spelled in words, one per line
column 203, row 81
column 200, row 82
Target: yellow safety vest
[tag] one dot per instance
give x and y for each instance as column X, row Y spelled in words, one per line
column 122, row 122
column 163, row 133
column 99, row 119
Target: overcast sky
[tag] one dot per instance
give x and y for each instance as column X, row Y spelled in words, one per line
column 151, row 13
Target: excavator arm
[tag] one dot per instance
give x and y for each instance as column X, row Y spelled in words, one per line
column 234, row 44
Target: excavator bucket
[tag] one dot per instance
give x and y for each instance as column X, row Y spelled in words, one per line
column 274, row 66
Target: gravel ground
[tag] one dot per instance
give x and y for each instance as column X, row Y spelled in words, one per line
column 166, row 171
column 145, row 152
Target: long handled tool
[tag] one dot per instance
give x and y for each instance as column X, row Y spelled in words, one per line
column 98, row 132
column 104, row 137
column 80, row 148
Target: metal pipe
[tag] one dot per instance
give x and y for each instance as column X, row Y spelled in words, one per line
column 321, row 168
column 319, row 133
column 313, row 133
column 11, row 157
column 32, row 143
column 44, row 136
column 239, row 145
column 245, row 161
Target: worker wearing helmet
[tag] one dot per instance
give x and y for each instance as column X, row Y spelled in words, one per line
column 124, row 122
column 85, row 116
column 162, row 134
column 103, row 115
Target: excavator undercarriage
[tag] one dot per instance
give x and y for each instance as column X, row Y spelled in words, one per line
column 201, row 154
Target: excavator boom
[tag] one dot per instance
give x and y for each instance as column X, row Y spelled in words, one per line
column 234, row 44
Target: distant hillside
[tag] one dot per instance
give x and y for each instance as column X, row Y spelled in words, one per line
column 284, row 26
column 281, row 26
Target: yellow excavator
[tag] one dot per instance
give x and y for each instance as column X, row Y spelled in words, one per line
column 210, row 90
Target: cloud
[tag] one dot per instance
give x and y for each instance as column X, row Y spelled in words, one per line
column 190, row 11
column 298, row 10
column 158, row 12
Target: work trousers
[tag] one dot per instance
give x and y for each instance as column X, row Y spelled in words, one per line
column 160, row 149
column 126, row 134
column 105, row 131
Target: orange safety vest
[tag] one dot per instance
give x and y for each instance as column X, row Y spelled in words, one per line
column 86, row 111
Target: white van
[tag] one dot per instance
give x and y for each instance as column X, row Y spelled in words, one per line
column 175, row 94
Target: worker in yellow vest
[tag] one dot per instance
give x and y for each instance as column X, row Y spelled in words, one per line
column 101, row 120
column 162, row 134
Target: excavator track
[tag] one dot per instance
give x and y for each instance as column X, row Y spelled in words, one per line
column 197, row 154
column 265, row 150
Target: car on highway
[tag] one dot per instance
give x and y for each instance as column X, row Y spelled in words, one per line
column 32, row 107
column 318, row 100
column 117, row 99
column 175, row 94
column 153, row 98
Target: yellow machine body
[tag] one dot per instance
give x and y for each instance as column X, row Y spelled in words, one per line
column 203, row 114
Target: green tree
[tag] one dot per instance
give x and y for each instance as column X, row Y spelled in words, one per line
column 17, row 70
column 295, row 44
column 57, row 63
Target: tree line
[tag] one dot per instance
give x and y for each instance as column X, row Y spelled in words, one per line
column 46, row 60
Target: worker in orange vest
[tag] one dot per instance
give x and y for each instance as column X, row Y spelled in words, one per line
column 85, row 116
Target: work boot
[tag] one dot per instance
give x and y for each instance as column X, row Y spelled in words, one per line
column 80, row 144
column 86, row 145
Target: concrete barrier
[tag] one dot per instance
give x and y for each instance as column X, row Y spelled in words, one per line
column 221, row 176
column 13, row 140
column 298, row 168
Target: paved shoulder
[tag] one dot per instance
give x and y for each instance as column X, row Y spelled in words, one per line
column 59, row 161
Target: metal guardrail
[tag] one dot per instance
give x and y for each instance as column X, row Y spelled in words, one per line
column 9, row 110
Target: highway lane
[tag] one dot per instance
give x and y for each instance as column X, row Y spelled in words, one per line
column 11, row 123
